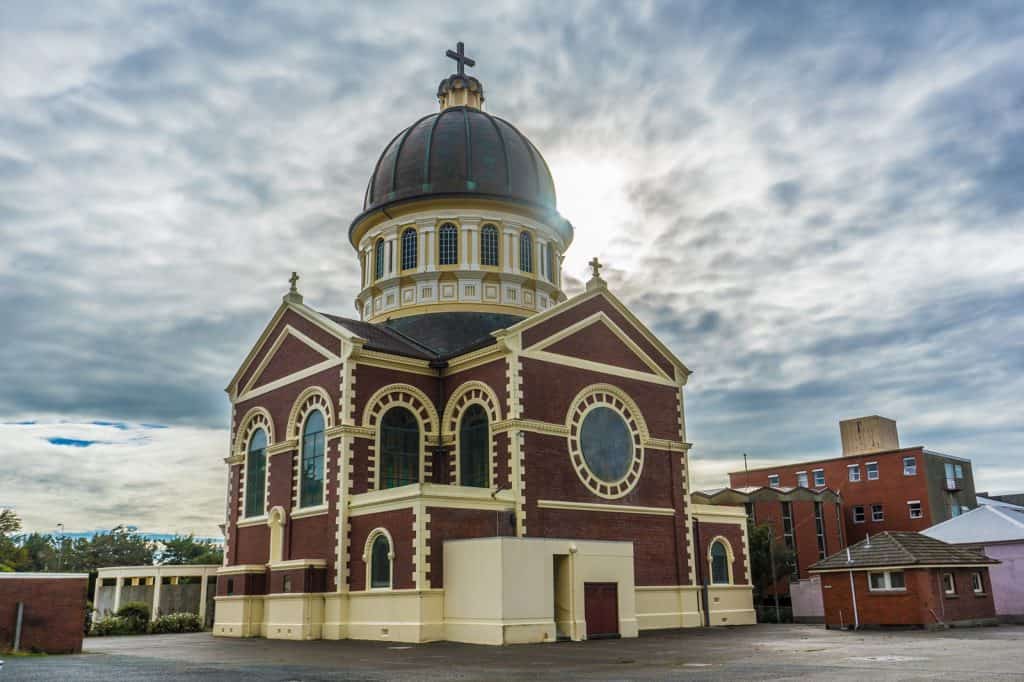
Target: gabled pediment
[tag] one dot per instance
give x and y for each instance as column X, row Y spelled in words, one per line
column 598, row 339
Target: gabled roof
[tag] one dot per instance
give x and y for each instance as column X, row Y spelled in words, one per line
column 992, row 502
column 980, row 525
column 900, row 548
column 763, row 494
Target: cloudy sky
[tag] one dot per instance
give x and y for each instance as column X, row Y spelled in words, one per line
column 819, row 207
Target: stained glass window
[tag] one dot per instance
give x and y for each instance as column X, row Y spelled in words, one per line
column 409, row 246
column 449, row 244
column 400, row 448
column 311, row 472
column 256, row 474
column 607, row 444
column 473, row 447
column 489, row 245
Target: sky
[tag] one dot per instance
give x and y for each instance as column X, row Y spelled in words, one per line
column 818, row 206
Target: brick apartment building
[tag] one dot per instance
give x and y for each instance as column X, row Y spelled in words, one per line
column 882, row 487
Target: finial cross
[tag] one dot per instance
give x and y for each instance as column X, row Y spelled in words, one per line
column 596, row 266
column 459, row 55
column 294, row 279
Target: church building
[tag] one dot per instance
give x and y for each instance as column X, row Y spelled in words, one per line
column 475, row 457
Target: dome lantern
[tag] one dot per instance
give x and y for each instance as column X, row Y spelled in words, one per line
column 458, row 89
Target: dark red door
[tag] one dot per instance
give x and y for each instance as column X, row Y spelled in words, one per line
column 601, row 609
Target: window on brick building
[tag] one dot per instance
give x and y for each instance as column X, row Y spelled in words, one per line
column 819, row 478
column 256, row 474
column 719, row 563
column 886, row 581
column 819, row 528
column 400, row 448
column 380, row 562
column 914, row 506
column 286, row 584
column 858, row 514
column 854, row 472
column 311, row 470
column 877, row 513
column 959, row 470
column 773, row 480
column 787, row 525
column 977, row 583
column 948, row 583
column 872, row 468
column 910, row 466
column 230, row 589
column 801, row 479
column 474, row 447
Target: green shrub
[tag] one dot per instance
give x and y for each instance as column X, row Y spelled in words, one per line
column 114, row 625
column 139, row 610
column 176, row 622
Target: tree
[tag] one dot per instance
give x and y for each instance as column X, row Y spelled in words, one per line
column 116, row 548
column 185, row 549
column 762, row 551
column 9, row 522
column 11, row 554
column 41, row 553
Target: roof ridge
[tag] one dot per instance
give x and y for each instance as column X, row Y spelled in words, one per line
column 903, row 548
column 1006, row 516
column 405, row 337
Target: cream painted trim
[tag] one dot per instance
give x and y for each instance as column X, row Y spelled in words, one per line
column 282, row 447
column 260, row 520
column 732, row 513
column 292, row 564
column 430, row 495
column 600, row 507
column 603, row 368
column 398, row 362
column 312, row 398
column 458, row 403
column 600, row 317
column 897, row 567
column 666, row 444
column 371, row 409
column 368, row 559
column 316, row 510
column 276, row 345
column 290, row 379
column 532, row 426
column 685, row 588
column 730, row 555
column 241, row 569
column 349, row 430
column 473, row 359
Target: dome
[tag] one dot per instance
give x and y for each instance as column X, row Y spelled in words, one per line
column 460, row 151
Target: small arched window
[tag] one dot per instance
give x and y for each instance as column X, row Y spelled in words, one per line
column 448, row 247
column 474, row 447
column 311, row 471
column 256, row 474
column 409, row 246
column 378, row 259
column 552, row 265
column 489, row 245
column 399, row 448
column 719, row 563
column 525, row 252
column 380, row 562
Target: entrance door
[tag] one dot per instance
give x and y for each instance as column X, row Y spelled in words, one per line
column 601, row 609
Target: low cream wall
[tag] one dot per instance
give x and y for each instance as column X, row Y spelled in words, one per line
column 293, row 616
column 239, row 616
column 396, row 615
column 731, row 605
column 673, row 606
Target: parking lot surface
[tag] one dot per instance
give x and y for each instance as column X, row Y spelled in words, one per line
column 762, row 652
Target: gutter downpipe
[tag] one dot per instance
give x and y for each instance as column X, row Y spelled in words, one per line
column 700, row 575
column 853, row 592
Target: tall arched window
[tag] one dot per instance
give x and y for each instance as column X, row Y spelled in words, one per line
column 399, row 448
column 449, row 244
column 256, row 474
column 378, row 259
column 409, row 245
column 311, row 471
column 552, row 264
column 380, row 562
column 719, row 563
column 525, row 252
column 489, row 245
column 474, row 447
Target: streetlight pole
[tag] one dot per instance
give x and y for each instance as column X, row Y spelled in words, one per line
column 60, row 555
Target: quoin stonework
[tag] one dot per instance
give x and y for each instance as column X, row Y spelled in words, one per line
column 474, row 456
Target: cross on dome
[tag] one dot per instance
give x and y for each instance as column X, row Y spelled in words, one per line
column 459, row 55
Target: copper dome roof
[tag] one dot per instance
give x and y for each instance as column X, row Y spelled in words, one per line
column 460, row 151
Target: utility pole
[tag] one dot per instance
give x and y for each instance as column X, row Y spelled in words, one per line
column 746, row 472
column 771, row 560
column 60, row 554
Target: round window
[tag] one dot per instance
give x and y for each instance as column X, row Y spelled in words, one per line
column 607, row 444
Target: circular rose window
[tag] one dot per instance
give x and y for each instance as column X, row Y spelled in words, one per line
column 604, row 444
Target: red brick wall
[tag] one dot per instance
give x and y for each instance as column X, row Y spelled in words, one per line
column 965, row 604
column 248, row 583
column 399, row 524
column 290, row 318
column 303, row 580
column 601, row 345
column 458, row 524
column 253, row 545
column 734, row 534
column 805, row 531
column 53, row 619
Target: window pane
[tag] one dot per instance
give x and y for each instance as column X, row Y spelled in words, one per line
column 311, row 490
column 256, row 474
column 489, row 245
column 896, row 580
column 380, row 563
column 409, row 247
column 378, row 265
column 719, row 564
column 400, row 448
column 449, row 244
column 801, row 479
column 474, row 448
column 877, row 581
column 607, row 444
column 525, row 252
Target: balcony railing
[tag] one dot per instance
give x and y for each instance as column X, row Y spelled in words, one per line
column 953, row 484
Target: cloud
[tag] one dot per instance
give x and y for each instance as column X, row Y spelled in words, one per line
column 816, row 206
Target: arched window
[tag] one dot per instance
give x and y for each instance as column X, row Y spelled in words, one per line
column 378, row 260
column 474, row 447
column 449, row 244
column 719, row 563
column 409, row 243
column 380, row 562
column 311, row 471
column 256, row 474
column 489, row 245
column 525, row 252
column 552, row 264
column 399, row 448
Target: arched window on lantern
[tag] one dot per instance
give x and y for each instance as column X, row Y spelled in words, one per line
column 399, row 448
column 489, row 245
column 448, row 244
column 719, row 563
column 256, row 474
column 409, row 249
column 311, row 469
column 378, row 259
column 525, row 252
column 474, row 447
